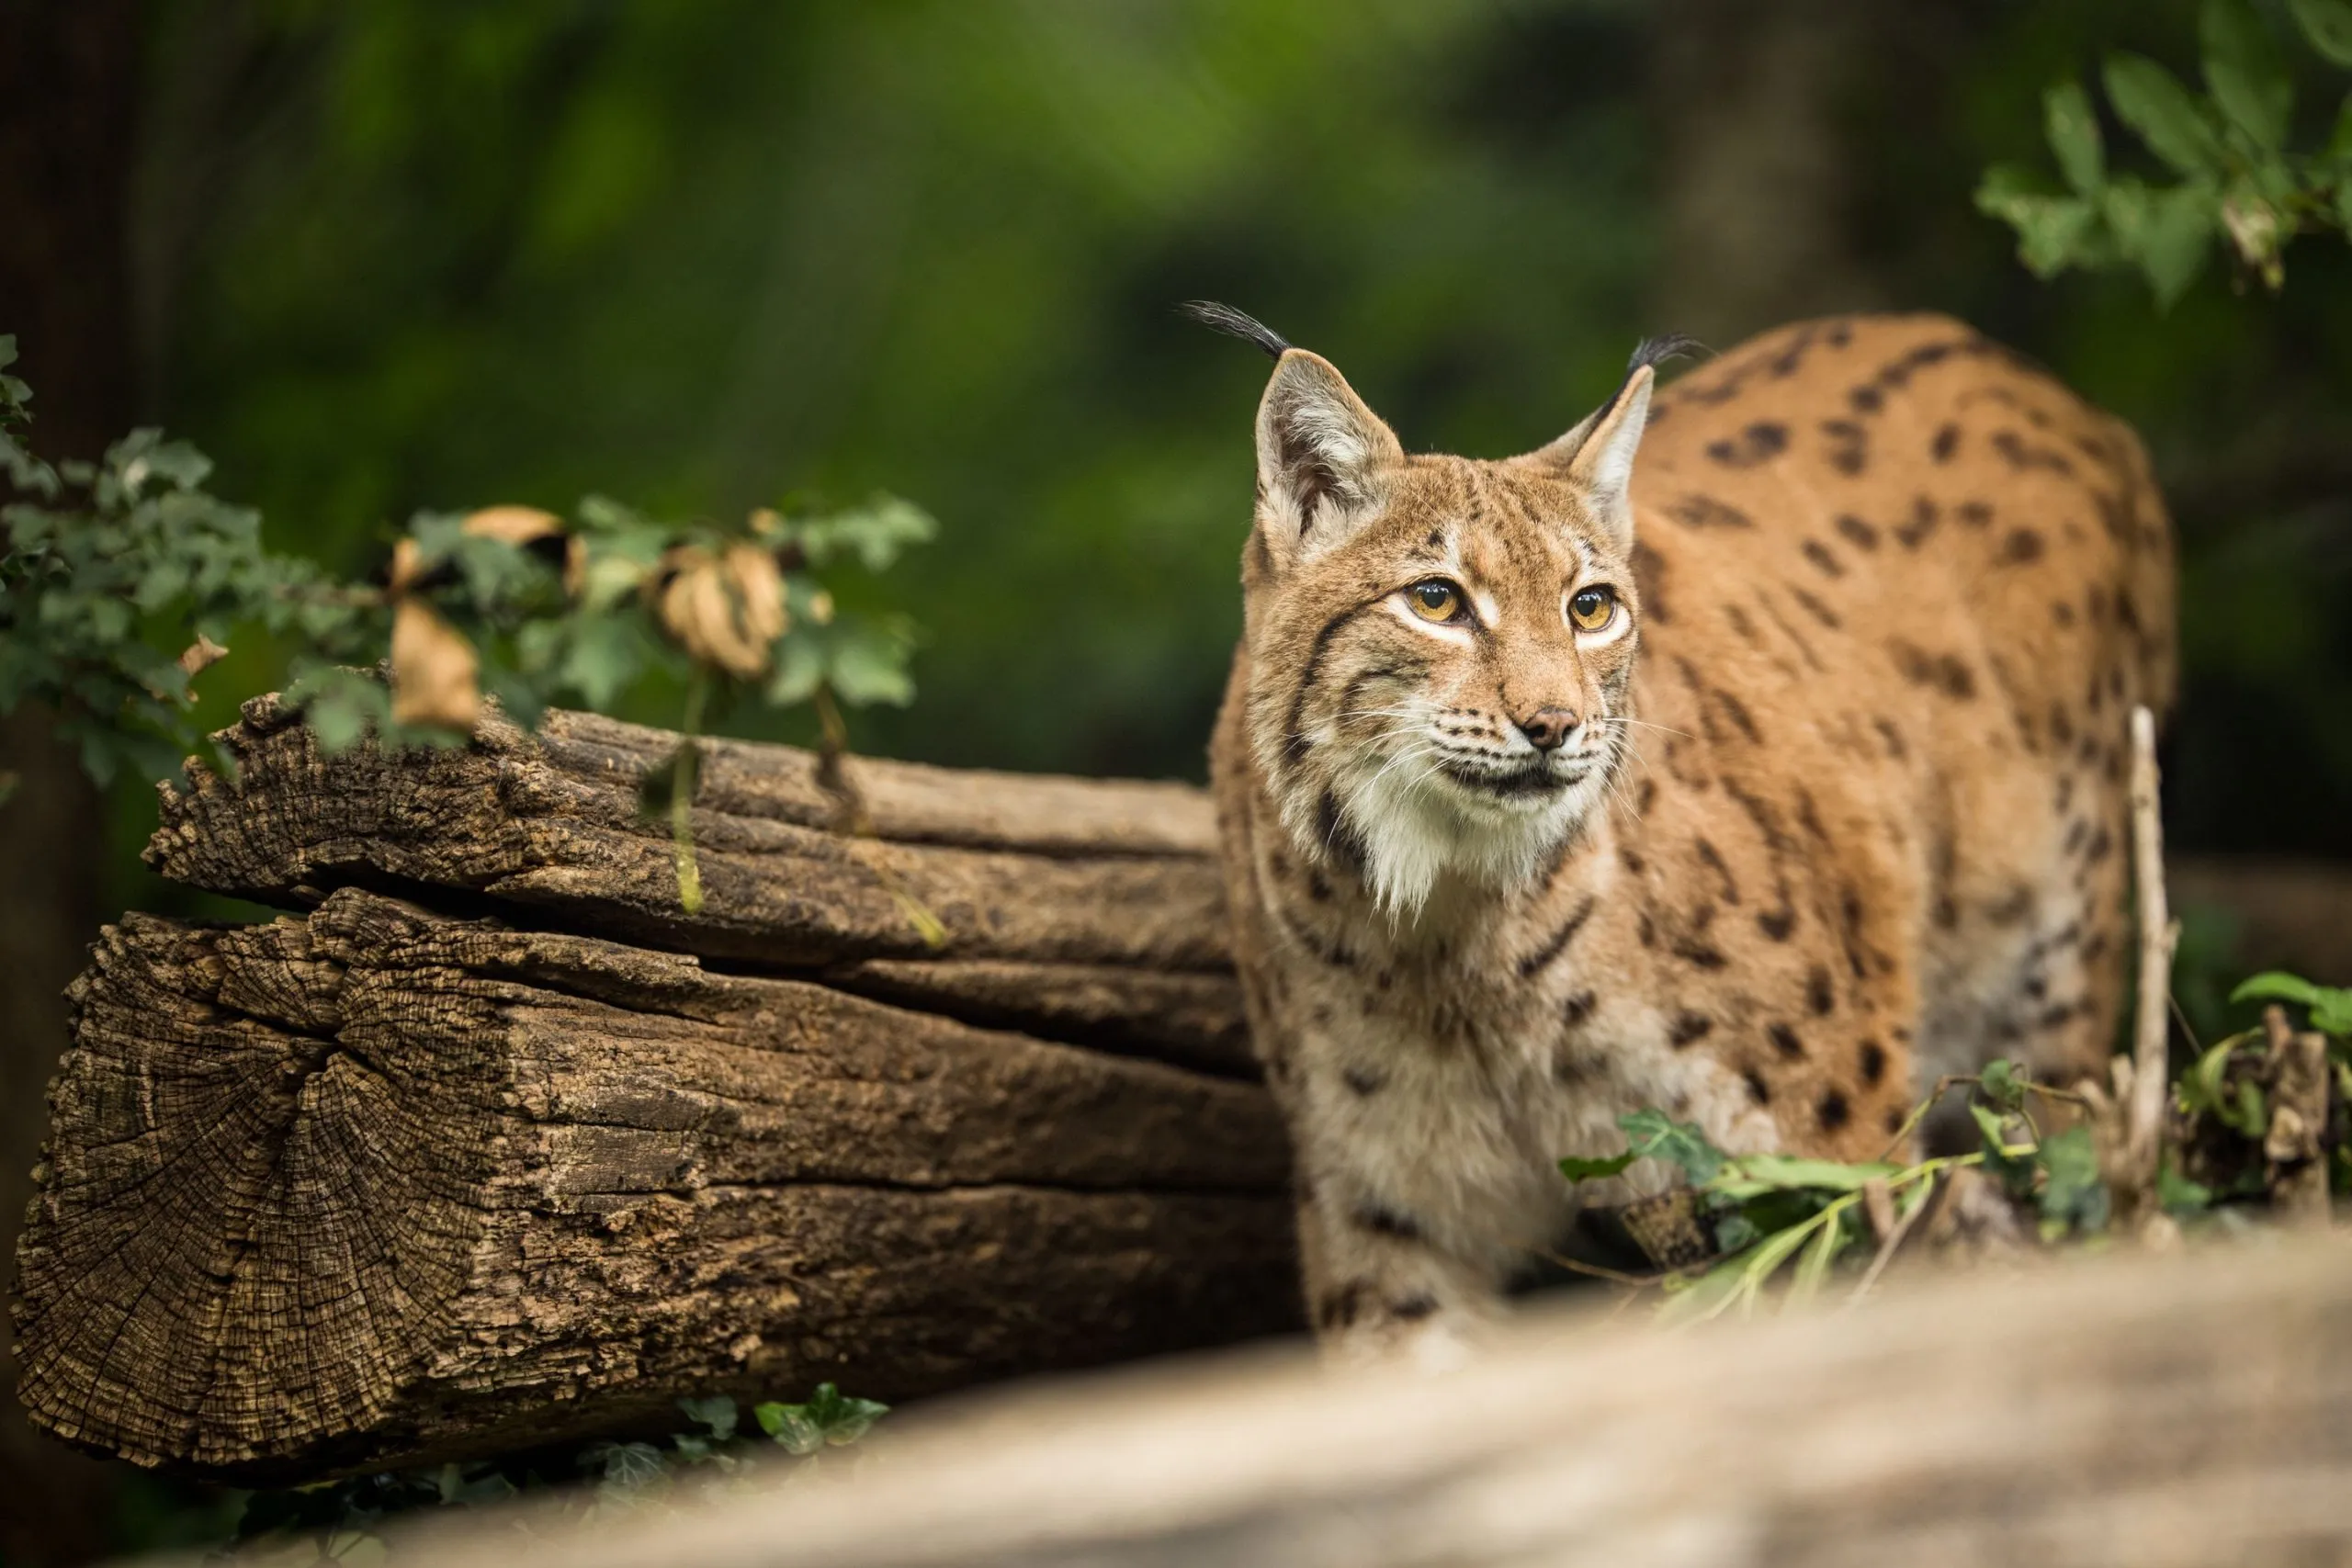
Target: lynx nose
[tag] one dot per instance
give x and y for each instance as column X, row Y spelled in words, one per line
column 1548, row 727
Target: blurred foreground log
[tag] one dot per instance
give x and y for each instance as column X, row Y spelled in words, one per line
column 505, row 1159
column 2113, row 1410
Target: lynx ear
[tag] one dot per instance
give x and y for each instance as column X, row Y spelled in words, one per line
column 1597, row 452
column 1322, row 457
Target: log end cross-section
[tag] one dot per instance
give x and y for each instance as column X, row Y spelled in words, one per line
column 381, row 1186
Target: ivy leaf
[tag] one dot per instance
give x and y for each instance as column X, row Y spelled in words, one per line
column 1655, row 1135
column 2244, row 70
column 842, row 1419
column 1576, row 1168
column 626, row 1467
column 2072, row 129
column 717, row 1412
column 2176, row 128
column 790, row 1426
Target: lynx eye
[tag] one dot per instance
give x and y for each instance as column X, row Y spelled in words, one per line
column 1436, row 599
column 1593, row 608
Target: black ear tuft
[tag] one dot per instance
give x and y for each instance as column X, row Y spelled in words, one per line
column 1669, row 345
column 1233, row 323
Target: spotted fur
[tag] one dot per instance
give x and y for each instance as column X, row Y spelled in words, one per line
column 1837, row 802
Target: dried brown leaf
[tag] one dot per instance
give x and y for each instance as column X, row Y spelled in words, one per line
column 724, row 610
column 759, row 589
column 434, row 671
column 516, row 525
column 407, row 567
column 201, row 655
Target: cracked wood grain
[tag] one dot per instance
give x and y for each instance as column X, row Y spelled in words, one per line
column 1020, row 869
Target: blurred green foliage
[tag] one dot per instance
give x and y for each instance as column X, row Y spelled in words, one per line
column 395, row 259
column 2237, row 181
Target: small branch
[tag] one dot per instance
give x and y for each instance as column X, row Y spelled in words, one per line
column 2158, row 935
column 1889, row 1240
column 1594, row 1270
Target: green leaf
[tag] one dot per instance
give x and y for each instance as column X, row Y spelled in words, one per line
column 866, row 663
column 2177, row 235
column 716, row 1412
column 606, row 654
column 2014, row 1171
column 2247, row 77
column 799, row 667
column 1655, row 1135
column 2178, row 1195
column 1578, row 1170
column 2054, row 231
column 2330, row 1006
column 2327, row 23
column 1761, row 1262
column 841, row 1418
column 2073, row 136
column 1750, row 1175
column 877, row 532
column 2175, row 126
column 791, row 1428
column 1813, row 1269
column 2073, row 1196
column 626, row 1467
column 2000, row 1085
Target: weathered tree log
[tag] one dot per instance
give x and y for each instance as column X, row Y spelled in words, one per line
column 381, row 1186
column 1036, row 869
column 2123, row 1410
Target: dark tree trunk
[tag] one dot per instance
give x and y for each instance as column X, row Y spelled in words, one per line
column 1756, row 198
column 68, row 82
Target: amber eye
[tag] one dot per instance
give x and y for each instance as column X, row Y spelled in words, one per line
column 1592, row 608
column 1436, row 599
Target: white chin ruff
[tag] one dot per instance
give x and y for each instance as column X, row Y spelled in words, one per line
column 1416, row 831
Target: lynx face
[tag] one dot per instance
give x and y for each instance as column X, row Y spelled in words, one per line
column 1442, row 649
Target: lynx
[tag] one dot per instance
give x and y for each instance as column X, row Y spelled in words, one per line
column 1756, row 751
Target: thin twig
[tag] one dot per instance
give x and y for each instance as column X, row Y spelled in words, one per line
column 1894, row 1239
column 1595, row 1270
column 2158, row 935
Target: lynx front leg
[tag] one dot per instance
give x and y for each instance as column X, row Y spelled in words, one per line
column 1379, row 1288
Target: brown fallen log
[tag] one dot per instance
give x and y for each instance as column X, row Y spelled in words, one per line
column 379, row 1187
column 2115, row 1410
column 1032, row 870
